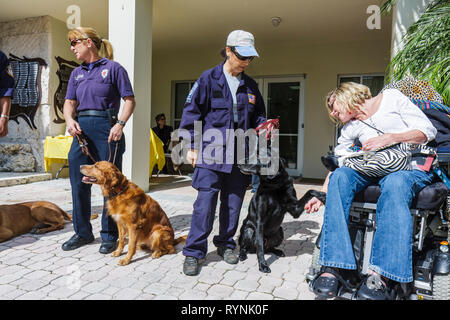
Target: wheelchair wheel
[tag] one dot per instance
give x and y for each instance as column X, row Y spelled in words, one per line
column 441, row 287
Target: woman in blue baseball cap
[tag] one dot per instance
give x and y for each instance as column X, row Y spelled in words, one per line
column 223, row 98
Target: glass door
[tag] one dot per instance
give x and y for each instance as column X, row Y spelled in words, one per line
column 284, row 99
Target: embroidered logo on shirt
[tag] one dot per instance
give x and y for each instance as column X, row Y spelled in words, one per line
column 104, row 73
column 251, row 98
column 191, row 93
column 78, row 77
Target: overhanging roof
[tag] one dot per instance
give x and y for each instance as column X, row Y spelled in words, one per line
column 200, row 23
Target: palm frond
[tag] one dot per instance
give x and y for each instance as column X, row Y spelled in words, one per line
column 387, row 6
column 426, row 50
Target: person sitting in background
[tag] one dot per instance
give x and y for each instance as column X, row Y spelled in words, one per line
column 162, row 131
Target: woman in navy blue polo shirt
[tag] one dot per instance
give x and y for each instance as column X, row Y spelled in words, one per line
column 94, row 92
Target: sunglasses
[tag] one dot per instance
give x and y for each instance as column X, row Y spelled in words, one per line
column 74, row 42
column 242, row 58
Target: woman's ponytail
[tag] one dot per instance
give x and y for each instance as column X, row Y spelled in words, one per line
column 106, row 49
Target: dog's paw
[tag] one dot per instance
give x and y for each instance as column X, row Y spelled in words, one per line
column 156, row 254
column 34, row 230
column 242, row 256
column 124, row 262
column 116, row 253
column 277, row 252
column 264, row 268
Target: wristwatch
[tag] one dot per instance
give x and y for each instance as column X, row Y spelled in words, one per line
column 122, row 123
column 4, row 116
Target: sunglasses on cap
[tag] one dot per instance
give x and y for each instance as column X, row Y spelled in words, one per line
column 242, row 58
column 74, row 42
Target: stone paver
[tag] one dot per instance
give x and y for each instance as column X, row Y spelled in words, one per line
column 33, row 267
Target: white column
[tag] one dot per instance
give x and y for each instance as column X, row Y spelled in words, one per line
column 404, row 14
column 130, row 32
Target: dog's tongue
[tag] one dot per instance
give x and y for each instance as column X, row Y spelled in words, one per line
column 88, row 179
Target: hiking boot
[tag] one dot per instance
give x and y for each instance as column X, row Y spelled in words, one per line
column 191, row 266
column 228, row 255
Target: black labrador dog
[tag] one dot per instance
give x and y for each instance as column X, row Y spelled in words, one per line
column 261, row 230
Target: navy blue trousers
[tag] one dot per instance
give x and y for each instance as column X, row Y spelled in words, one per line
column 232, row 187
column 96, row 130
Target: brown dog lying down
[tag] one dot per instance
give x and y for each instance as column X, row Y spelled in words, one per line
column 35, row 216
column 135, row 212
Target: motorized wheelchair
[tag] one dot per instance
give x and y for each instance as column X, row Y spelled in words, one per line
column 430, row 211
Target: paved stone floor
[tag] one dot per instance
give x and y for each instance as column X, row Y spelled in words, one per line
column 35, row 267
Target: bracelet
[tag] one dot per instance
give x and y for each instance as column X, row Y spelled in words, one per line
column 4, row 116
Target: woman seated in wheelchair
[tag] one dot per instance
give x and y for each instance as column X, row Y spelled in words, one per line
column 366, row 117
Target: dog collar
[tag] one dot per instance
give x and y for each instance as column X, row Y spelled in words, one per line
column 115, row 194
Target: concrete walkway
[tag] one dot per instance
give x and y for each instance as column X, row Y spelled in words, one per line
column 35, row 267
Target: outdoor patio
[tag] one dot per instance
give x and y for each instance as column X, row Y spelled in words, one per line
column 35, row 267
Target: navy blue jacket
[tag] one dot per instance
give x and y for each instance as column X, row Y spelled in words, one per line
column 210, row 101
column 6, row 77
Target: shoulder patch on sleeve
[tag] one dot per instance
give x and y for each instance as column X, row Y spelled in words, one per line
column 9, row 71
column 191, row 93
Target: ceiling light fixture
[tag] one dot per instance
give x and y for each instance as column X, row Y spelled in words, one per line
column 276, row 21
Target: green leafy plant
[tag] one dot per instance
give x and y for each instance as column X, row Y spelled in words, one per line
column 387, row 6
column 425, row 52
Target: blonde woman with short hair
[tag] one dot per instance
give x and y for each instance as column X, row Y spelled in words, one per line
column 91, row 109
column 366, row 118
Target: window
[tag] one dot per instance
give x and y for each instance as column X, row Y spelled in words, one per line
column 375, row 82
column 180, row 91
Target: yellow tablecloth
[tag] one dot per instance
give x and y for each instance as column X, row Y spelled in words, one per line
column 56, row 150
column 156, row 152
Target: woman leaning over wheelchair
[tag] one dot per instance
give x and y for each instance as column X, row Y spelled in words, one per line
column 391, row 256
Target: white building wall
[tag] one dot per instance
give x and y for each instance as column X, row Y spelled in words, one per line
column 404, row 14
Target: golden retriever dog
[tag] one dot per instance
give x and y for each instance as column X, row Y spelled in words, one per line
column 35, row 216
column 136, row 213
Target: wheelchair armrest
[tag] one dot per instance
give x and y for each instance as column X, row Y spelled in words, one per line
column 330, row 161
column 429, row 198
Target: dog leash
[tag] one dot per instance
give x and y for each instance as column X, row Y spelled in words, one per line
column 269, row 125
column 85, row 150
column 115, row 152
column 84, row 146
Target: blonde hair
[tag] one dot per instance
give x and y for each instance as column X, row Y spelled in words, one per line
column 103, row 46
column 349, row 95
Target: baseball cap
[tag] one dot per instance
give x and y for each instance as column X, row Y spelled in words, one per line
column 244, row 42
